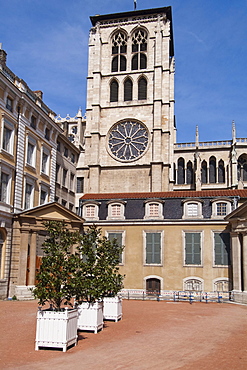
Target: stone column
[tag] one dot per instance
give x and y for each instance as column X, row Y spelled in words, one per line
column 32, row 264
column 244, row 254
column 236, row 262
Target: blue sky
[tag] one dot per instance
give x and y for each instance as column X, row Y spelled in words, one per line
column 46, row 42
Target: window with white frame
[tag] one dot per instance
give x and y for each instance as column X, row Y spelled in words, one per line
column 221, row 249
column 45, row 163
column 31, row 152
column 29, row 194
column 221, row 285
column 153, row 248
column 194, row 284
column 192, row 250
column 220, row 208
column 153, row 210
column 116, row 210
column 5, row 186
column 192, row 209
column 90, row 211
column 8, row 137
column 44, row 195
column 118, row 236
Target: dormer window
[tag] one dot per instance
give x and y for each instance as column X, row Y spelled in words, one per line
column 116, row 210
column 90, row 211
column 220, row 208
column 154, row 209
column 192, row 209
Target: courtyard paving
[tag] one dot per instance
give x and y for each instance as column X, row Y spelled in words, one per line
column 152, row 335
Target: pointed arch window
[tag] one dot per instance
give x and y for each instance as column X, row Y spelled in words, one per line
column 142, row 89
column 139, row 47
column 204, row 172
column 181, row 172
column 212, row 170
column 119, row 48
column 242, row 167
column 128, row 87
column 114, row 91
column 221, row 172
column 189, row 173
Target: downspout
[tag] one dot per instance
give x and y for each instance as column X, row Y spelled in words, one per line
column 13, row 209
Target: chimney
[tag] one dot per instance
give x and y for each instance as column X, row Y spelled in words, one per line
column 3, row 56
column 39, row 94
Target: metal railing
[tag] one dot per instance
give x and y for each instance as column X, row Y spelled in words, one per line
column 179, row 296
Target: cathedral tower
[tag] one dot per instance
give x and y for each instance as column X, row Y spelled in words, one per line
column 130, row 130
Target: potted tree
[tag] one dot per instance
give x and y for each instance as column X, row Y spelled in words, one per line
column 57, row 325
column 97, row 276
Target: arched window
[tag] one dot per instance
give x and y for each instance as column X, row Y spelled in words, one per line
column 189, row 173
column 139, row 61
column 114, row 91
column 242, row 167
column 193, row 284
column 153, row 286
column 204, row 172
column 212, row 170
column 221, row 172
column 142, row 89
column 181, row 171
column 128, row 87
column 119, row 47
column 139, row 46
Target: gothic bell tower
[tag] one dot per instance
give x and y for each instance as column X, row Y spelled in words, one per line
column 130, row 129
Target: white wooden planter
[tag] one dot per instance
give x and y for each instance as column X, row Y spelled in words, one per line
column 56, row 329
column 112, row 308
column 90, row 316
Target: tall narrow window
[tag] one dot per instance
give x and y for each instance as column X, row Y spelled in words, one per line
column 212, row 170
column 118, row 237
column 192, row 248
column 28, row 196
column 119, row 48
column 80, row 185
column 189, row 173
column 4, row 187
column 153, row 248
column 221, row 248
column 114, row 91
column 142, row 89
column 8, row 137
column 128, row 86
column 204, row 172
column 221, row 172
column 181, row 171
column 139, row 46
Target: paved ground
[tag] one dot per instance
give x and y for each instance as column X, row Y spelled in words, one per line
column 152, row 335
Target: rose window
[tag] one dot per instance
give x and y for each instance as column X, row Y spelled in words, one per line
column 128, row 140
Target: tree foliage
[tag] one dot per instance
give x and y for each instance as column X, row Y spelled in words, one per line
column 88, row 274
column 55, row 279
column 98, row 273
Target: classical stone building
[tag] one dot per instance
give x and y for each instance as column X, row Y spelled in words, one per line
column 165, row 201
column 37, row 167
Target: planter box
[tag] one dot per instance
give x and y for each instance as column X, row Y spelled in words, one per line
column 90, row 316
column 112, row 308
column 56, row 329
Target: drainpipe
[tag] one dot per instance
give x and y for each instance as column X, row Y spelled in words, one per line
column 13, row 209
